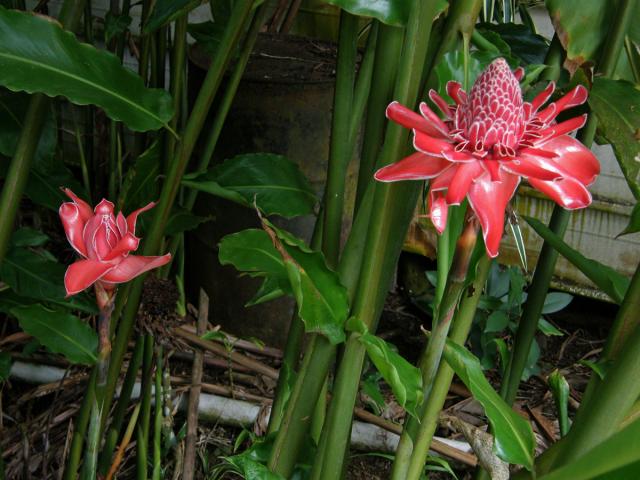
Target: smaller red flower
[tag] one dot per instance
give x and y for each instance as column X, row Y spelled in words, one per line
column 489, row 139
column 104, row 242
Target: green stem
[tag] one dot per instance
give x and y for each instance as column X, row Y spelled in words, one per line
column 340, row 149
column 120, row 410
column 223, row 109
column 157, row 421
column 296, row 422
column 233, row 30
column 414, row 443
column 392, row 210
column 532, row 308
column 388, row 47
column 80, row 428
column 142, row 435
column 432, row 406
column 291, row 353
column 177, row 69
column 105, row 301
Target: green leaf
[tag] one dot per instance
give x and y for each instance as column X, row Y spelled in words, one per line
column 599, row 368
column 607, row 279
column 548, row 329
column 166, row 11
column 391, row 12
column 60, row 332
column 275, row 184
column 634, row 222
column 5, row 365
column 270, row 289
column 556, row 301
column 616, row 104
column 252, row 251
column 514, row 440
column 45, row 180
column 32, row 275
column 28, row 237
column 404, row 379
column 322, row 300
column 583, row 27
column 250, row 468
column 141, row 181
column 37, row 55
column 497, row 321
column 115, row 25
column 618, row 453
column 523, row 43
column 183, row 221
column 560, row 390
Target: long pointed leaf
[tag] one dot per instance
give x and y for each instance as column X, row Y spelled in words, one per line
column 514, row 440
column 608, row 280
column 37, row 55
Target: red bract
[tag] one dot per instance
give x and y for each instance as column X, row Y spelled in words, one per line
column 486, row 142
column 104, row 242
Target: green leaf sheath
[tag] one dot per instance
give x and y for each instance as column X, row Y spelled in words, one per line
column 37, row 56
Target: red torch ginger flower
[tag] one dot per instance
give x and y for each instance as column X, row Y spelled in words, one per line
column 104, row 242
column 486, row 142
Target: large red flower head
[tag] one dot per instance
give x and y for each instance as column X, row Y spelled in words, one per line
column 489, row 139
column 104, row 242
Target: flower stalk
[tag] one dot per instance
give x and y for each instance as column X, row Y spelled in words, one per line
column 414, row 443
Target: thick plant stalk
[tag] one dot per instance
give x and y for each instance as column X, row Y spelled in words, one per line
column 120, row 410
column 532, row 309
column 319, row 353
column 392, row 209
column 388, row 46
column 142, row 432
column 414, row 442
column 105, row 303
column 340, row 149
column 171, row 184
column 223, row 109
column 18, row 173
column 178, row 56
column 157, row 419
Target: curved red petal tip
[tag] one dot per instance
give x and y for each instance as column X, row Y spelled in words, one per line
column 105, row 207
column 82, row 274
column 73, row 226
column 133, row 216
column 395, row 105
column 417, row 166
column 519, row 73
column 128, row 243
column 573, row 159
column 134, row 265
column 569, row 193
column 85, row 210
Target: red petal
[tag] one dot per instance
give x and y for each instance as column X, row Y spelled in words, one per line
column 562, row 128
column 105, row 207
column 543, row 96
column 134, row 265
column 126, row 244
column 575, row 97
column 430, row 145
column 489, row 201
column 133, row 216
column 431, row 116
column 438, row 210
column 461, row 181
column 73, row 226
column 410, row 119
column 456, row 92
column 121, row 222
column 417, row 166
column 440, row 103
column 531, row 166
column 84, row 209
column 83, row 274
column 518, row 73
column 566, row 192
column 573, row 159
